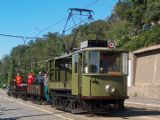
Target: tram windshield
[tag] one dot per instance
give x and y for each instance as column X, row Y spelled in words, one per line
column 104, row 62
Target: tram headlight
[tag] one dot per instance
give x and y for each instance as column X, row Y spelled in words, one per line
column 110, row 88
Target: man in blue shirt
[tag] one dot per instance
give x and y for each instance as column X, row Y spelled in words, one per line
column 40, row 78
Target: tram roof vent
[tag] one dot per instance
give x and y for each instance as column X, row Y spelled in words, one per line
column 94, row 43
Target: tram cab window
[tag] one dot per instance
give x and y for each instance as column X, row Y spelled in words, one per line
column 110, row 62
column 102, row 62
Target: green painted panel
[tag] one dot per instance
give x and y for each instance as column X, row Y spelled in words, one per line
column 75, row 84
column 98, row 84
column 68, row 75
column 62, row 75
column 68, row 85
column 51, row 85
column 85, row 85
column 59, row 85
column 56, row 84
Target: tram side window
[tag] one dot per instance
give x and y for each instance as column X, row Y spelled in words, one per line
column 51, row 71
column 85, row 63
column 75, row 63
column 125, row 63
column 56, row 71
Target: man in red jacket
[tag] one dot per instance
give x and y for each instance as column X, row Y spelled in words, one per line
column 30, row 78
column 18, row 80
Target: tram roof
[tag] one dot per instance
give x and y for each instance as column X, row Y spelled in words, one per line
column 101, row 49
column 89, row 49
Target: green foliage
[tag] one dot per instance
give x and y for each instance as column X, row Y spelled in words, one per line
column 119, row 32
column 145, row 39
column 152, row 12
column 4, row 68
column 121, row 11
column 128, row 20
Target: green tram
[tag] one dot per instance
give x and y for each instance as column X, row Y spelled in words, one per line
column 92, row 78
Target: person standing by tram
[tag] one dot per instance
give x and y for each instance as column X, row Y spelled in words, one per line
column 40, row 78
column 18, row 79
column 46, row 87
column 30, row 78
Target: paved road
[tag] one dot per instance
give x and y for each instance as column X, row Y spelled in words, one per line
column 17, row 109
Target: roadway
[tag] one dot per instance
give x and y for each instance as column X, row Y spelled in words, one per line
column 17, row 109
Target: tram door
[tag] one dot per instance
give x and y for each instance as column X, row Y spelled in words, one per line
column 77, row 74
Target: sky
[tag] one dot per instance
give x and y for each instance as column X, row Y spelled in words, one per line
column 34, row 18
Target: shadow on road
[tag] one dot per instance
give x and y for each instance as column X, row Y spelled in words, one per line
column 129, row 112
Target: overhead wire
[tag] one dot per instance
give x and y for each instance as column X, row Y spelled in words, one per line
column 18, row 36
column 52, row 25
column 90, row 4
column 76, row 24
column 24, row 38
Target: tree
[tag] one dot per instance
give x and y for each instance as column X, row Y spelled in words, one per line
column 153, row 12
